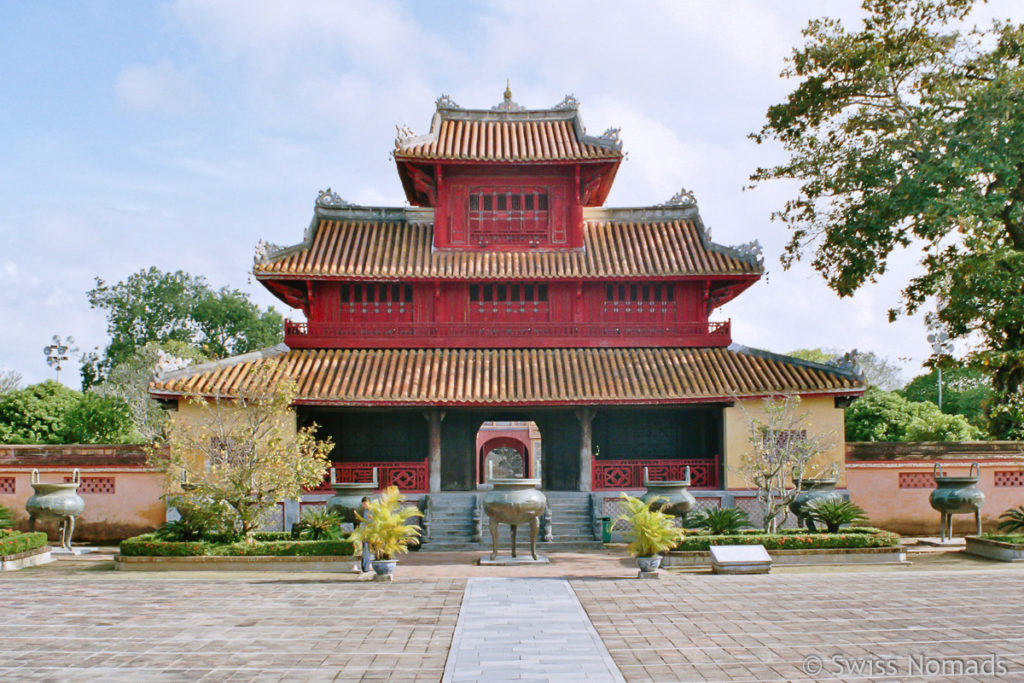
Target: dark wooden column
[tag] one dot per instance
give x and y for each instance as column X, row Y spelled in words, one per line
column 586, row 417
column 434, row 418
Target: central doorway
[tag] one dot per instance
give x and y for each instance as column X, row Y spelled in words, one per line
column 507, row 449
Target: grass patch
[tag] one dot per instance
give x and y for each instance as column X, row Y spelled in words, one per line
column 796, row 539
column 14, row 542
column 274, row 544
column 1005, row 538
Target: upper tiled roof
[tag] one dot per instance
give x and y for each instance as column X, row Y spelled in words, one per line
column 508, row 133
column 578, row 376
column 616, row 246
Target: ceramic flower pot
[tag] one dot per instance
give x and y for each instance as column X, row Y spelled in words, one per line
column 649, row 564
column 383, row 567
column 677, row 499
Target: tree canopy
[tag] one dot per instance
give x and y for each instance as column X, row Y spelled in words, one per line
column 906, row 133
column 887, row 416
column 878, row 371
column 154, row 306
column 965, row 391
column 50, row 412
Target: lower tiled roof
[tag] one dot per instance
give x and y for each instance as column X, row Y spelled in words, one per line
column 577, row 376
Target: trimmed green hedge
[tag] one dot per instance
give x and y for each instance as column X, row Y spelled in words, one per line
column 1005, row 538
column 796, row 539
column 276, row 546
column 14, row 542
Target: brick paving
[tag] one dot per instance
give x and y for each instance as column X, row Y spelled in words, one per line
column 297, row 629
column 74, row 620
column 855, row 626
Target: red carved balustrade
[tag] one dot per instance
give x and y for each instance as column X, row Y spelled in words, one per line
column 503, row 334
column 611, row 475
column 409, row 477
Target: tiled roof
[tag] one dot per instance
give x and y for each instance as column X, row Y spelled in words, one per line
column 505, row 140
column 514, row 376
column 397, row 249
column 508, row 132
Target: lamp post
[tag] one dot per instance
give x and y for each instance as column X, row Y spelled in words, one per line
column 940, row 342
column 58, row 352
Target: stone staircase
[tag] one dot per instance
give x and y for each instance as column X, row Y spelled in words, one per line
column 452, row 524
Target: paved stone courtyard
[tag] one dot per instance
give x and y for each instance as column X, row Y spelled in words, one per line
column 945, row 618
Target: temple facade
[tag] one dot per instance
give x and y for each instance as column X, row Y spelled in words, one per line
column 508, row 292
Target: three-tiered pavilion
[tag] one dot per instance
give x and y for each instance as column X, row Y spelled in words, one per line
column 508, row 291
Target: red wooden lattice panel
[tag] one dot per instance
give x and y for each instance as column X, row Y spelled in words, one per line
column 917, row 480
column 95, row 484
column 409, row 477
column 629, row 474
column 6, row 484
column 1010, row 478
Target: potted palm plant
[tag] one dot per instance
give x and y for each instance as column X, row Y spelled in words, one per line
column 386, row 530
column 652, row 531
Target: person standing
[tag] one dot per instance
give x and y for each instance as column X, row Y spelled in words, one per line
column 367, row 557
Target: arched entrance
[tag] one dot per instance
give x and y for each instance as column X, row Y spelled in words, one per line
column 507, row 450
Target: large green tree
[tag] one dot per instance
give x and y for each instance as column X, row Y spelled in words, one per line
column 965, row 391
column 154, row 306
column 907, row 133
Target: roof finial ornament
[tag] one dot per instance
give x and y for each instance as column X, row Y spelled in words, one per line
column 568, row 102
column 446, row 102
column 507, row 104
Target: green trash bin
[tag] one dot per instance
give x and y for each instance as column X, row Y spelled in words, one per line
column 606, row 529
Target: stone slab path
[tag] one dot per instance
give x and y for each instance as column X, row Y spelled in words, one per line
column 526, row 630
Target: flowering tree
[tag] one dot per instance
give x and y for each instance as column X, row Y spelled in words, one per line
column 781, row 450
column 245, row 452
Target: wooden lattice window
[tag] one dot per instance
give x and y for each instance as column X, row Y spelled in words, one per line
column 95, row 484
column 916, row 480
column 7, row 484
column 1010, row 478
column 627, row 300
column 509, row 301
column 508, row 215
column 378, row 300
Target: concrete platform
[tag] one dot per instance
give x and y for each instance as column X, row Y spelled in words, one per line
column 509, row 561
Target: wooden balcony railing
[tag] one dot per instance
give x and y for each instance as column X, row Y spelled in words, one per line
column 504, row 334
column 629, row 474
column 409, row 477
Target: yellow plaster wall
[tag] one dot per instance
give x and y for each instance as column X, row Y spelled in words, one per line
column 822, row 418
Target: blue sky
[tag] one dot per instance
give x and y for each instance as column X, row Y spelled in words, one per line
column 178, row 134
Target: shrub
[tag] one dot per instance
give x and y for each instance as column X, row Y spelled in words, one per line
column 36, row 413
column 17, row 542
column 1017, row 539
column 835, row 513
column 856, row 537
column 318, row 525
column 6, row 518
column 386, row 529
column 720, row 520
column 148, row 545
column 1012, row 520
column 887, row 416
column 201, row 520
column 99, row 419
column 653, row 531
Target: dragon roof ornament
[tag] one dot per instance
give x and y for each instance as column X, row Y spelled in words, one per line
column 568, row 103
column 328, row 199
column 684, row 199
column 265, row 251
column 446, row 102
column 848, row 362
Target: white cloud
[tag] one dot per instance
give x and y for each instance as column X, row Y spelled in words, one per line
column 159, row 88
